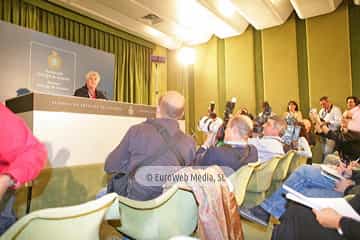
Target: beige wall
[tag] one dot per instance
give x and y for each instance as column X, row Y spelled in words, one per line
column 280, row 65
column 329, row 57
column 240, row 70
column 205, row 77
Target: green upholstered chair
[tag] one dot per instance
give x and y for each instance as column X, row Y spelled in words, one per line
column 281, row 171
column 260, row 182
column 240, row 180
column 297, row 161
column 173, row 213
column 70, row 223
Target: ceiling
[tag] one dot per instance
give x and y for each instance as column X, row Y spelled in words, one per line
column 175, row 23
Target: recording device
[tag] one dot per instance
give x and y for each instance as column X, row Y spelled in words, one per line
column 262, row 118
column 214, row 124
column 292, row 131
column 210, row 123
column 229, row 109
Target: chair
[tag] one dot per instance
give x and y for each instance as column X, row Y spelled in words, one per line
column 260, row 182
column 297, row 161
column 240, row 180
column 70, row 223
column 281, row 171
column 173, row 213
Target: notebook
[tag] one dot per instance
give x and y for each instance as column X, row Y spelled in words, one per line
column 340, row 205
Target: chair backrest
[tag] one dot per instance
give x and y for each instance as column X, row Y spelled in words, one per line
column 70, row 223
column 297, row 161
column 260, row 180
column 240, row 180
column 173, row 213
column 283, row 166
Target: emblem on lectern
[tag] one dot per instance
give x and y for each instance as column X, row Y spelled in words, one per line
column 54, row 60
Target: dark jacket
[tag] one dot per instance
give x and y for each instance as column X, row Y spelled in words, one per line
column 233, row 156
column 299, row 223
column 356, row 188
column 140, row 142
column 83, row 92
column 350, row 227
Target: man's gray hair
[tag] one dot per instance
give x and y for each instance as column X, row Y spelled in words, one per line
column 243, row 125
column 279, row 123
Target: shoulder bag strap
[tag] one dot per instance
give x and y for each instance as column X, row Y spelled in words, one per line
column 169, row 141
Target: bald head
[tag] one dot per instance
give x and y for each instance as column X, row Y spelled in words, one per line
column 171, row 105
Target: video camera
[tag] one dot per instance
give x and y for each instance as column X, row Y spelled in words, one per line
column 292, row 131
column 262, row 118
column 214, row 124
column 210, row 123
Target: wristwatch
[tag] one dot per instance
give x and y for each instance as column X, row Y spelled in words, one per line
column 340, row 232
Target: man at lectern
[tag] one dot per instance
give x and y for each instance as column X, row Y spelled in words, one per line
column 89, row 89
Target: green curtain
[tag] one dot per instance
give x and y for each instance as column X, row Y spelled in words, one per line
column 132, row 60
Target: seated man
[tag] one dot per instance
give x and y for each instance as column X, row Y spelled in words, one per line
column 347, row 141
column 236, row 152
column 352, row 114
column 270, row 144
column 331, row 115
column 22, row 157
column 306, row 180
column 144, row 145
column 301, row 223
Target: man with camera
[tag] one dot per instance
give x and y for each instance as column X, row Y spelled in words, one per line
column 235, row 152
column 270, row 145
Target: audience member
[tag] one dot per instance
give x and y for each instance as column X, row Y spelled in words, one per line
column 308, row 181
column 331, row 115
column 309, row 134
column 236, row 152
column 351, row 117
column 89, row 89
column 22, row 157
column 270, row 144
column 347, row 142
column 301, row 223
column 292, row 111
column 155, row 142
column 302, row 144
column 267, row 111
column 245, row 111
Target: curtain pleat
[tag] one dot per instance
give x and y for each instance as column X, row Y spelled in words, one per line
column 132, row 73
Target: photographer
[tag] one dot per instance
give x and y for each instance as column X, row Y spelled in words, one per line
column 347, row 142
column 261, row 119
column 236, row 151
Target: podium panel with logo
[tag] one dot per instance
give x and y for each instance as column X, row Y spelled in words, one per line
column 77, row 131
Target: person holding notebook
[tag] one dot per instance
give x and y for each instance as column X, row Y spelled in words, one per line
column 303, row 223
